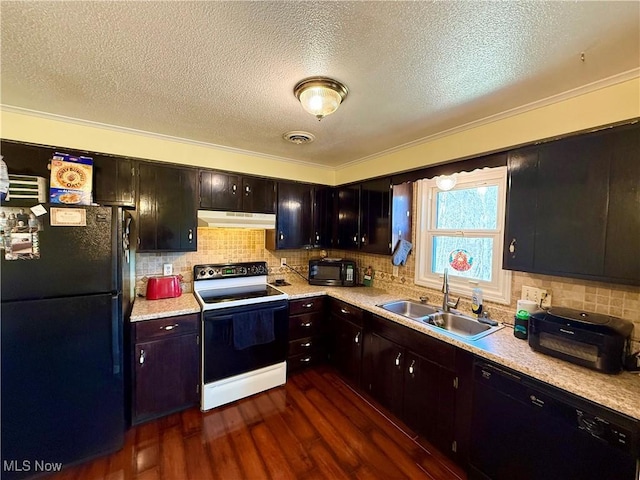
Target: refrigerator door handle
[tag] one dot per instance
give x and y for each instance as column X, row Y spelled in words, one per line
column 115, row 335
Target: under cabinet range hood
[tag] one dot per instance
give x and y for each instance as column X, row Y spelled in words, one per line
column 209, row 218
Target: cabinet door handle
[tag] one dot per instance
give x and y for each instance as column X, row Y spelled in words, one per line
column 345, row 311
column 306, row 359
column 317, row 237
column 190, row 236
column 357, row 339
column 512, row 246
column 281, row 236
column 411, row 369
column 398, row 359
column 306, row 345
column 170, row 327
column 308, row 324
column 234, row 189
column 142, row 357
column 247, row 190
column 308, row 305
column 355, row 239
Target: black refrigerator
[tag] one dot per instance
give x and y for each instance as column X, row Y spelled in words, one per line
column 61, row 328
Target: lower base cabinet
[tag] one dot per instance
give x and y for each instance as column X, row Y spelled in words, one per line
column 166, row 361
column 306, row 333
column 420, row 380
column 345, row 340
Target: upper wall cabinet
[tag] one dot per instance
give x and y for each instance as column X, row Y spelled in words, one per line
column 373, row 215
column 230, row 192
column 303, row 217
column 167, row 208
column 573, row 207
column 293, row 217
column 113, row 177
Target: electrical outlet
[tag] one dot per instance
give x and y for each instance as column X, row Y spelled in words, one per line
column 396, row 272
column 538, row 295
column 167, row 269
column 283, row 262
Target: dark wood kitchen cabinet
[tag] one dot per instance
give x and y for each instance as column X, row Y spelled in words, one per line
column 166, row 361
column 348, row 223
column 573, row 207
column 167, row 208
column 114, row 180
column 306, row 333
column 113, row 176
column 417, row 378
column 293, row 217
column 345, row 339
column 230, row 192
column 304, row 217
column 373, row 215
column 324, row 217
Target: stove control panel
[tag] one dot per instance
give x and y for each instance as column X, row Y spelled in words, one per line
column 229, row 270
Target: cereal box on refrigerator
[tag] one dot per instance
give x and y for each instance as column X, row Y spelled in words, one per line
column 71, row 179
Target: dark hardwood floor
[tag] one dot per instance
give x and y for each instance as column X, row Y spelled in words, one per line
column 314, row 427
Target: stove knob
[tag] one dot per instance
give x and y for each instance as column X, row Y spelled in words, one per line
column 210, row 271
column 254, row 269
column 201, row 272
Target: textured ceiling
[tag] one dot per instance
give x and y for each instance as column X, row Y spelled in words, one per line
column 223, row 72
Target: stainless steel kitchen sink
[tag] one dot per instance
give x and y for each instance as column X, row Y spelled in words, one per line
column 460, row 325
column 410, row 309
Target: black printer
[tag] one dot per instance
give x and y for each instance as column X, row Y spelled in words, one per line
column 589, row 339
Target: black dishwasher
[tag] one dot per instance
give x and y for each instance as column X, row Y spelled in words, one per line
column 522, row 429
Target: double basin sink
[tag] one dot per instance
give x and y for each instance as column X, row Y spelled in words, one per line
column 454, row 323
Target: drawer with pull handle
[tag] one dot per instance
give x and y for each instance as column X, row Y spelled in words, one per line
column 162, row 327
column 346, row 311
column 306, row 325
column 306, row 305
column 305, row 345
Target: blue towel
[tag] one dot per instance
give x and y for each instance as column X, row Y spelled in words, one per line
column 400, row 254
column 253, row 328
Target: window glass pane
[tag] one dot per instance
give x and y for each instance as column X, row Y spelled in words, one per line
column 463, row 256
column 469, row 208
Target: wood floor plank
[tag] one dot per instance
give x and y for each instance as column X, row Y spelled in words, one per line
column 326, row 462
column 376, row 458
column 198, row 460
column 331, row 436
column 243, row 446
column 172, row 454
column 223, row 461
column 314, row 427
column 291, row 447
column 271, row 453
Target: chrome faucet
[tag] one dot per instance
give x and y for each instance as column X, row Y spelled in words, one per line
column 446, row 304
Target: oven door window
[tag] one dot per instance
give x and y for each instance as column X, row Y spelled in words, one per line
column 222, row 360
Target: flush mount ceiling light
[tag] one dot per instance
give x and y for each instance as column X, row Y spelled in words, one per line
column 446, row 182
column 320, row 96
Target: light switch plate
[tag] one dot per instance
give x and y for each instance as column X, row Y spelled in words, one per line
column 167, row 269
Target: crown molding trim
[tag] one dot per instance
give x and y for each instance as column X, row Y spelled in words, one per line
column 569, row 94
column 157, row 136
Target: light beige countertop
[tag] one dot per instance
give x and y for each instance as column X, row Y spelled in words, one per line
column 618, row 392
column 144, row 309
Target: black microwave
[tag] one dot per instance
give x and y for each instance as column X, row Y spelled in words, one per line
column 333, row 272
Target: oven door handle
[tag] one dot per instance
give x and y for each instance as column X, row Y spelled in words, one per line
column 223, row 314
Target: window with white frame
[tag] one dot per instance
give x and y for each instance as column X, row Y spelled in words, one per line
column 461, row 229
